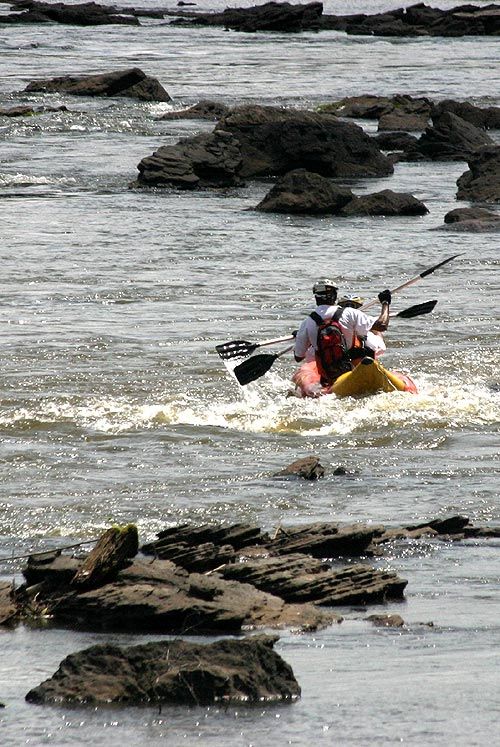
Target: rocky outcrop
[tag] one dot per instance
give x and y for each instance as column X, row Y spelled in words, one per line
column 281, row 17
column 274, row 141
column 471, row 220
column 325, row 540
column 308, row 468
column 132, row 83
column 211, row 110
column 482, row 182
column 247, row 670
column 420, row 20
column 301, row 191
column 385, row 203
column 80, row 14
column 487, row 118
column 450, row 139
column 392, row 141
column 208, row 160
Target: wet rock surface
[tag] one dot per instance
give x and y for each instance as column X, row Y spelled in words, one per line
column 450, row 138
column 385, row 203
column 280, row 17
column 79, row 14
column 211, row 110
column 247, row 670
column 308, row 468
column 471, row 220
column 482, row 182
column 301, row 191
column 132, row 83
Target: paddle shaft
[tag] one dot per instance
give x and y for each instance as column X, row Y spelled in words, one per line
column 410, row 282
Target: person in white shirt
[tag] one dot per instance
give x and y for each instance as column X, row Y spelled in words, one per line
column 355, row 324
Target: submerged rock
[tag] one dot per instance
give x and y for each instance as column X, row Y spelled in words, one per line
column 301, row 191
column 471, row 220
column 211, row 110
column 246, row 670
column 309, row 468
column 385, row 203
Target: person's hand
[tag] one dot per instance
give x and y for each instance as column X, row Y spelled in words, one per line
column 385, row 296
column 294, row 333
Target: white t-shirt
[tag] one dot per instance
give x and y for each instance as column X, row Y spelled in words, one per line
column 353, row 322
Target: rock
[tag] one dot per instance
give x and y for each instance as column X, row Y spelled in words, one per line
column 236, row 535
column 211, row 110
column 309, row 468
column 301, row 191
column 385, row 203
column 399, row 120
column 471, row 220
column 133, row 83
column 111, row 553
column 395, row 140
column 274, row 141
column 325, row 539
column 467, row 214
column 488, row 118
column 282, row 17
column 17, row 111
column 51, row 569
column 482, row 182
column 299, row 578
column 161, row 597
column 207, row 160
column 359, row 107
column 80, row 14
column 451, row 525
column 246, row 670
column 201, row 558
column 450, row 139
column 9, row 607
column 386, row 621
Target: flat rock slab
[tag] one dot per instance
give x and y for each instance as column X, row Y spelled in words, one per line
column 246, row 670
column 299, row 578
column 133, row 83
column 326, row 539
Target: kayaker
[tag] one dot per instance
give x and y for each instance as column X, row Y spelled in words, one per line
column 355, row 324
column 375, row 343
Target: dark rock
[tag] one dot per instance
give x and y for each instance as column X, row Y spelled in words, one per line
column 17, row 111
column 81, row 14
column 359, row 107
column 395, row 140
column 325, row 540
column 450, row 139
column 299, row 578
column 482, row 182
column 488, row 118
column 246, row 670
column 274, row 141
column 481, row 532
column 237, row 535
column 133, row 83
column 386, row 621
column 203, row 557
column 300, row 191
column 397, row 120
column 309, row 468
column 386, row 203
column 52, row 569
column 207, row 160
column 467, row 214
column 471, row 220
column 451, row 525
column 211, row 110
column 282, row 17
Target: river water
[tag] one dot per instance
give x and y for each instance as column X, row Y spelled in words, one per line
column 115, row 407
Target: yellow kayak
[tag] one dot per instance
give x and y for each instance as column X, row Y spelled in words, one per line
column 368, row 377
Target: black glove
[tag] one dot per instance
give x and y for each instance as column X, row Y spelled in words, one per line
column 385, row 296
column 294, row 333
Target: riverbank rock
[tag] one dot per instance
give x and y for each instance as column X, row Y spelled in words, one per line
column 274, row 141
column 449, row 139
column 301, row 191
column 386, row 203
column 79, row 14
column 246, row 670
column 132, row 83
column 280, row 17
column 482, row 182
column 208, row 160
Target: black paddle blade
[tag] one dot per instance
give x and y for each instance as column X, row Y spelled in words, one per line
column 254, row 367
column 418, row 310
column 235, row 349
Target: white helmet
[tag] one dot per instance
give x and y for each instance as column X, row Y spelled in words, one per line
column 324, row 287
column 352, row 300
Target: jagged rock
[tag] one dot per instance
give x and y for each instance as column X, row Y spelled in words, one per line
column 112, row 552
column 450, row 139
column 300, row 191
column 488, row 117
column 161, row 597
column 300, row 578
column 274, row 141
column 482, row 182
column 325, row 539
column 207, row 160
column 236, row 535
column 9, row 607
column 211, row 110
column 386, row 203
column 282, row 17
column 133, row 83
column 81, row 14
column 450, row 525
column 246, row 670
column 201, row 558
column 309, row 468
